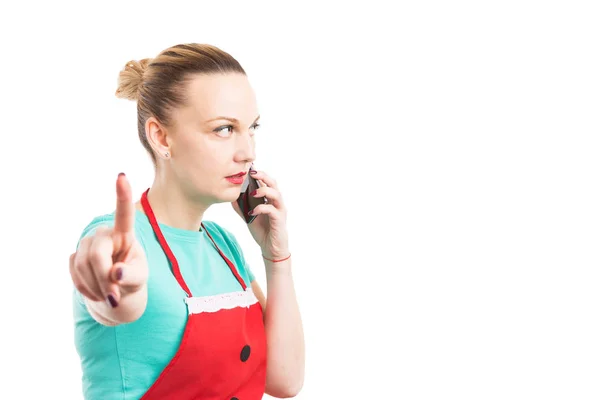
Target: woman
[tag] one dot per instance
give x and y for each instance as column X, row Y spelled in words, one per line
column 165, row 305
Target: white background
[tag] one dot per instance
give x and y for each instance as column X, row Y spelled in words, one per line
column 439, row 161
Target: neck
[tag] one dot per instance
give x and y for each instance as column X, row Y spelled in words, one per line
column 172, row 207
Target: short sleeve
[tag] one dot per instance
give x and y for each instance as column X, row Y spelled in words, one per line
column 243, row 260
column 251, row 276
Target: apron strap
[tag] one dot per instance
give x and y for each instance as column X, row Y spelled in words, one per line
column 229, row 263
column 171, row 256
column 163, row 243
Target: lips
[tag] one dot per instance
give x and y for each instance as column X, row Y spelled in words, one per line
column 239, row 174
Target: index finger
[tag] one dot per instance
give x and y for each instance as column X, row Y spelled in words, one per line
column 125, row 212
column 266, row 179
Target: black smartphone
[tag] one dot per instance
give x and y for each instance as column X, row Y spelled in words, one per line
column 247, row 202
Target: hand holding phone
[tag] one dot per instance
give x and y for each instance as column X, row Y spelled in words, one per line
column 247, row 202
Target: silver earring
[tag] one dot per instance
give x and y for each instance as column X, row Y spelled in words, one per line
column 167, row 154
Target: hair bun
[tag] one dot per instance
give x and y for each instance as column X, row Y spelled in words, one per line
column 130, row 79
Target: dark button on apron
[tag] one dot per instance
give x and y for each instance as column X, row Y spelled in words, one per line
column 245, row 353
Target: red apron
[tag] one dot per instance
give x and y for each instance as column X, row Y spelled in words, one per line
column 222, row 355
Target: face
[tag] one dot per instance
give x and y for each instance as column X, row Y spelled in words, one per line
column 212, row 136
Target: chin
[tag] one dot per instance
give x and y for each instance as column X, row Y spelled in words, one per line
column 229, row 195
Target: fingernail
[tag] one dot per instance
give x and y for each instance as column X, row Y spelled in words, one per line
column 112, row 301
column 119, row 273
column 121, row 174
column 251, row 212
column 253, row 172
column 253, row 193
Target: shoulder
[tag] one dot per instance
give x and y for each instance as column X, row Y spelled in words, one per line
column 215, row 228
column 100, row 220
column 95, row 222
column 107, row 219
column 223, row 235
column 228, row 243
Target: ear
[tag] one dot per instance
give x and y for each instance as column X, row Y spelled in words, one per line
column 156, row 135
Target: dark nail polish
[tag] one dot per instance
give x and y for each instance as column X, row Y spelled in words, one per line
column 253, row 193
column 251, row 212
column 112, row 301
column 253, row 172
column 121, row 174
column 119, row 274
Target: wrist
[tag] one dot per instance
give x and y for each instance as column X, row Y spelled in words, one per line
column 281, row 268
column 276, row 257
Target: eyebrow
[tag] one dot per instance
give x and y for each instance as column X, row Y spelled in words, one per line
column 231, row 119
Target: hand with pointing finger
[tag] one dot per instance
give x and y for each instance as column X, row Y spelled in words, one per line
column 111, row 265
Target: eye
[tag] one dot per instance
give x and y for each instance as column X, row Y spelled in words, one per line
column 255, row 127
column 227, row 128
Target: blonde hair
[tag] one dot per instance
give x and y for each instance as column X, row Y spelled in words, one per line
column 158, row 84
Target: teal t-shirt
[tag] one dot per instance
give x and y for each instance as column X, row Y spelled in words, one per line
column 122, row 362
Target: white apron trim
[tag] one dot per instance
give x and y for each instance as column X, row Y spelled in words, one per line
column 225, row 301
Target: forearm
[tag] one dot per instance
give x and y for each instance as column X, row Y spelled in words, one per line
column 285, row 337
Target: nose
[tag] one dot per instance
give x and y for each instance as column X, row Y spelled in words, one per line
column 245, row 148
